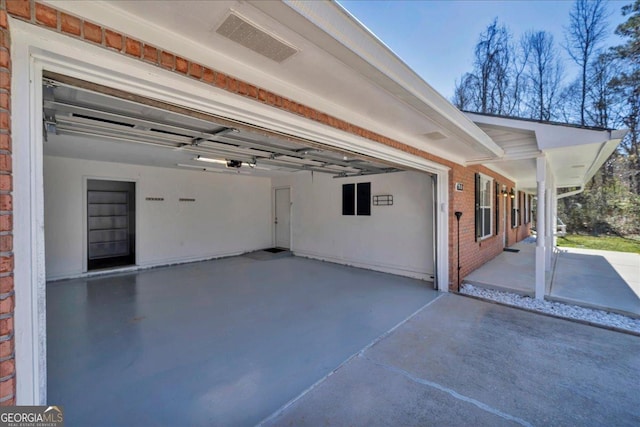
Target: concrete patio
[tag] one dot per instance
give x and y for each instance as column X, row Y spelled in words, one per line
column 589, row 278
column 460, row 361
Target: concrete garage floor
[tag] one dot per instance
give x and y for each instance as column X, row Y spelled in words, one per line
column 224, row 342
column 461, row 361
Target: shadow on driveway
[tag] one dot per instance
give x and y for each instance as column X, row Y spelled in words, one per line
column 461, row 361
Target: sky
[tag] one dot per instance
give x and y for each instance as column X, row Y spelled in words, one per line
column 437, row 37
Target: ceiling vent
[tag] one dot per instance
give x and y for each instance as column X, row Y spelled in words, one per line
column 248, row 35
column 435, row 136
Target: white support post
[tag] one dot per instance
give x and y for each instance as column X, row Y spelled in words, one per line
column 541, row 227
column 550, row 228
column 554, row 217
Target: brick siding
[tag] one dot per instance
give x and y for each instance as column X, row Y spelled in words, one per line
column 7, row 302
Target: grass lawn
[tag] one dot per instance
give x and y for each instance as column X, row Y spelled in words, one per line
column 605, row 243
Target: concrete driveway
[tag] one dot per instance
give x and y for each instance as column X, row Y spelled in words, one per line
column 461, row 361
column 603, row 280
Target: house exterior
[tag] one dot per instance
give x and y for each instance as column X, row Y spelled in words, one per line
column 322, row 127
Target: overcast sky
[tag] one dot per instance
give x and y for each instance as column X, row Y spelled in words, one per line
column 437, row 38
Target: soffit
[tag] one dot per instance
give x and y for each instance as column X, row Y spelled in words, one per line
column 316, row 75
column 574, row 153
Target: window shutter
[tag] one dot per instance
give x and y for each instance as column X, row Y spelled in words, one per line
column 477, row 200
column 497, row 204
column 513, row 212
column 521, row 207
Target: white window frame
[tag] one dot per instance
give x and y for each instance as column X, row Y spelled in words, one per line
column 484, row 179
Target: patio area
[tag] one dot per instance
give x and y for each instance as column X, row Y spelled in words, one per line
column 589, row 278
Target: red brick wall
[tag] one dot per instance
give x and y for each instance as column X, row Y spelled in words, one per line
column 7, row 356
column 473, row 254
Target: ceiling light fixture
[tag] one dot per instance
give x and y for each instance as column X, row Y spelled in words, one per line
column 204, row 169
column 209, row 160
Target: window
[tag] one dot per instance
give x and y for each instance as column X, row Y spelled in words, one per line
column 356, row 199
column 349, row 199
column 484, row 206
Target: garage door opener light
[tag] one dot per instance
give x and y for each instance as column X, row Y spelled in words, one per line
column 228, row 163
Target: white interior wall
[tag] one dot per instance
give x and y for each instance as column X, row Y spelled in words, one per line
column 231, row 214
column 396, row 239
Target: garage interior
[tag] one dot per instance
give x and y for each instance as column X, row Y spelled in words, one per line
column 131, row 184
column 206, row 189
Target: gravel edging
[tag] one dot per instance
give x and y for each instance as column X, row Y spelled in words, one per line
column 588, row 316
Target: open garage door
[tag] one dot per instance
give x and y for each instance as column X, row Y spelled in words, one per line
column 208, row 187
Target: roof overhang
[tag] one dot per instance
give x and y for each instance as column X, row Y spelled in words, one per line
column 339, row 67
column 574, row 153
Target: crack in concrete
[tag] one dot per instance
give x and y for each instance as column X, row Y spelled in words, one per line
column 450, row 392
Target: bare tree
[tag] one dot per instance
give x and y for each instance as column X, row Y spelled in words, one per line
column 519, row 83
column 492, row 60
column 586, row 31
column 463, row 95
column 487, row 88
column 604, row 103
column 543, row 73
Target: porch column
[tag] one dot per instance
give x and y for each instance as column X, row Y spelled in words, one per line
column 554, row 216
column 551, row 225
column 541, row 227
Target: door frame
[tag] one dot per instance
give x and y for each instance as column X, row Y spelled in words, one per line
column 85, row 220
column 273, row 215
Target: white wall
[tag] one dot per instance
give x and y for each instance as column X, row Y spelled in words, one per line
column 231, row 215
column 396, row 239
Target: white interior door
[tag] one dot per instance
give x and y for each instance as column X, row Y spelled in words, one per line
column 283, row 218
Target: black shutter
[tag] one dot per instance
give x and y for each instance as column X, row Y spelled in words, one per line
column 513, row 211
column 364, row 198
column 497, row 199
column 521, row 208
column 348, row 199
column 478, row 216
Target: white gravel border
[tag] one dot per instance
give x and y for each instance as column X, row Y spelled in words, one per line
column 555, row 308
